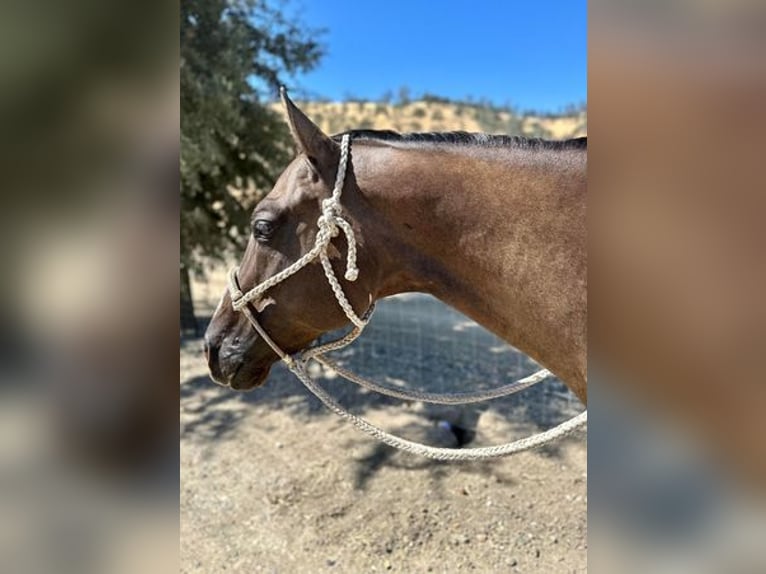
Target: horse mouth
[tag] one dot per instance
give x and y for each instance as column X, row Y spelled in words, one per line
column 247, row 379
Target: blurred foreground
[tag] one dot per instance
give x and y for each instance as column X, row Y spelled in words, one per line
column 88, row 435
column 677, row 332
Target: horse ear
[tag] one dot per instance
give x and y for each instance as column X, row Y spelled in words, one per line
column 322, row 152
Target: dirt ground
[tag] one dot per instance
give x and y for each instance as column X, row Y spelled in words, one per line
column 273, row 482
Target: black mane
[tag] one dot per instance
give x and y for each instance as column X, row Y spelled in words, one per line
column 466, row 139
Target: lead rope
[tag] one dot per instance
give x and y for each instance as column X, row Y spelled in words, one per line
column 437, row 453
column 330, row 223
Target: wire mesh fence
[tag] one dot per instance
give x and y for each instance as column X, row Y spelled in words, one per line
column 415, row 341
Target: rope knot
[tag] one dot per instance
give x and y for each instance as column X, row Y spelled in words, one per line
column 330, row 208
column 327, row 226
column 329, row 217
column 352, row 274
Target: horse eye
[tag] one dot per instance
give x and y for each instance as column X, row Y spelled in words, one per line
column 263, row 229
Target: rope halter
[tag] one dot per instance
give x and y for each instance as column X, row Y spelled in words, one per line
column 330, row 223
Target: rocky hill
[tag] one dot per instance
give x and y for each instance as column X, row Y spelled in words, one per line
column 437, row 115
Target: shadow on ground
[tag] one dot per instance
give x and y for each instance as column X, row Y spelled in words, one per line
column 413, row 340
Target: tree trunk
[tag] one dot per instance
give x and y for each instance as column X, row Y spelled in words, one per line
column 189, row 324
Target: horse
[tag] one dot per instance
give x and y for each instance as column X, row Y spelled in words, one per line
column 493, row 226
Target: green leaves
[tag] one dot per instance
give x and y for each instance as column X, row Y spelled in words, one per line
column 234, row 55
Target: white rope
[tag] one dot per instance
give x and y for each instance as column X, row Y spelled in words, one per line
column 437, row 453
column 329, row 224
column 460, row 398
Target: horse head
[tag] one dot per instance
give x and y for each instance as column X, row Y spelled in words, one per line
column 284, row 228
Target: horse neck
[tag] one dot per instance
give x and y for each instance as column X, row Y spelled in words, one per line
column 497, row 233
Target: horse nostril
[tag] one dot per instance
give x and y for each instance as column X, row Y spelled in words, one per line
column 211, row 350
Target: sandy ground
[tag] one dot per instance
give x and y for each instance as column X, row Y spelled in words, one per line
column 273, row 482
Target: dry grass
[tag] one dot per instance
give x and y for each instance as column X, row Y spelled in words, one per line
column 426, row 116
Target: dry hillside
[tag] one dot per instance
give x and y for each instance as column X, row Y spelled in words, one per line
column 426, row 116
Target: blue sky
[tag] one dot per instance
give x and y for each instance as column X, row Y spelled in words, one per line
column 531, row 54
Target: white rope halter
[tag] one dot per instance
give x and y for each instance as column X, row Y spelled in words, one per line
column 330, row 223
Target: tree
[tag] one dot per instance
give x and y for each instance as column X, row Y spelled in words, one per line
column 404, row 96
column 234, row 54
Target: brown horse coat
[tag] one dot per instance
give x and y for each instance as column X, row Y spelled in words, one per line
column 491, row 225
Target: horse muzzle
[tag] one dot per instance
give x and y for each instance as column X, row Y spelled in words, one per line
column 229, row 365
